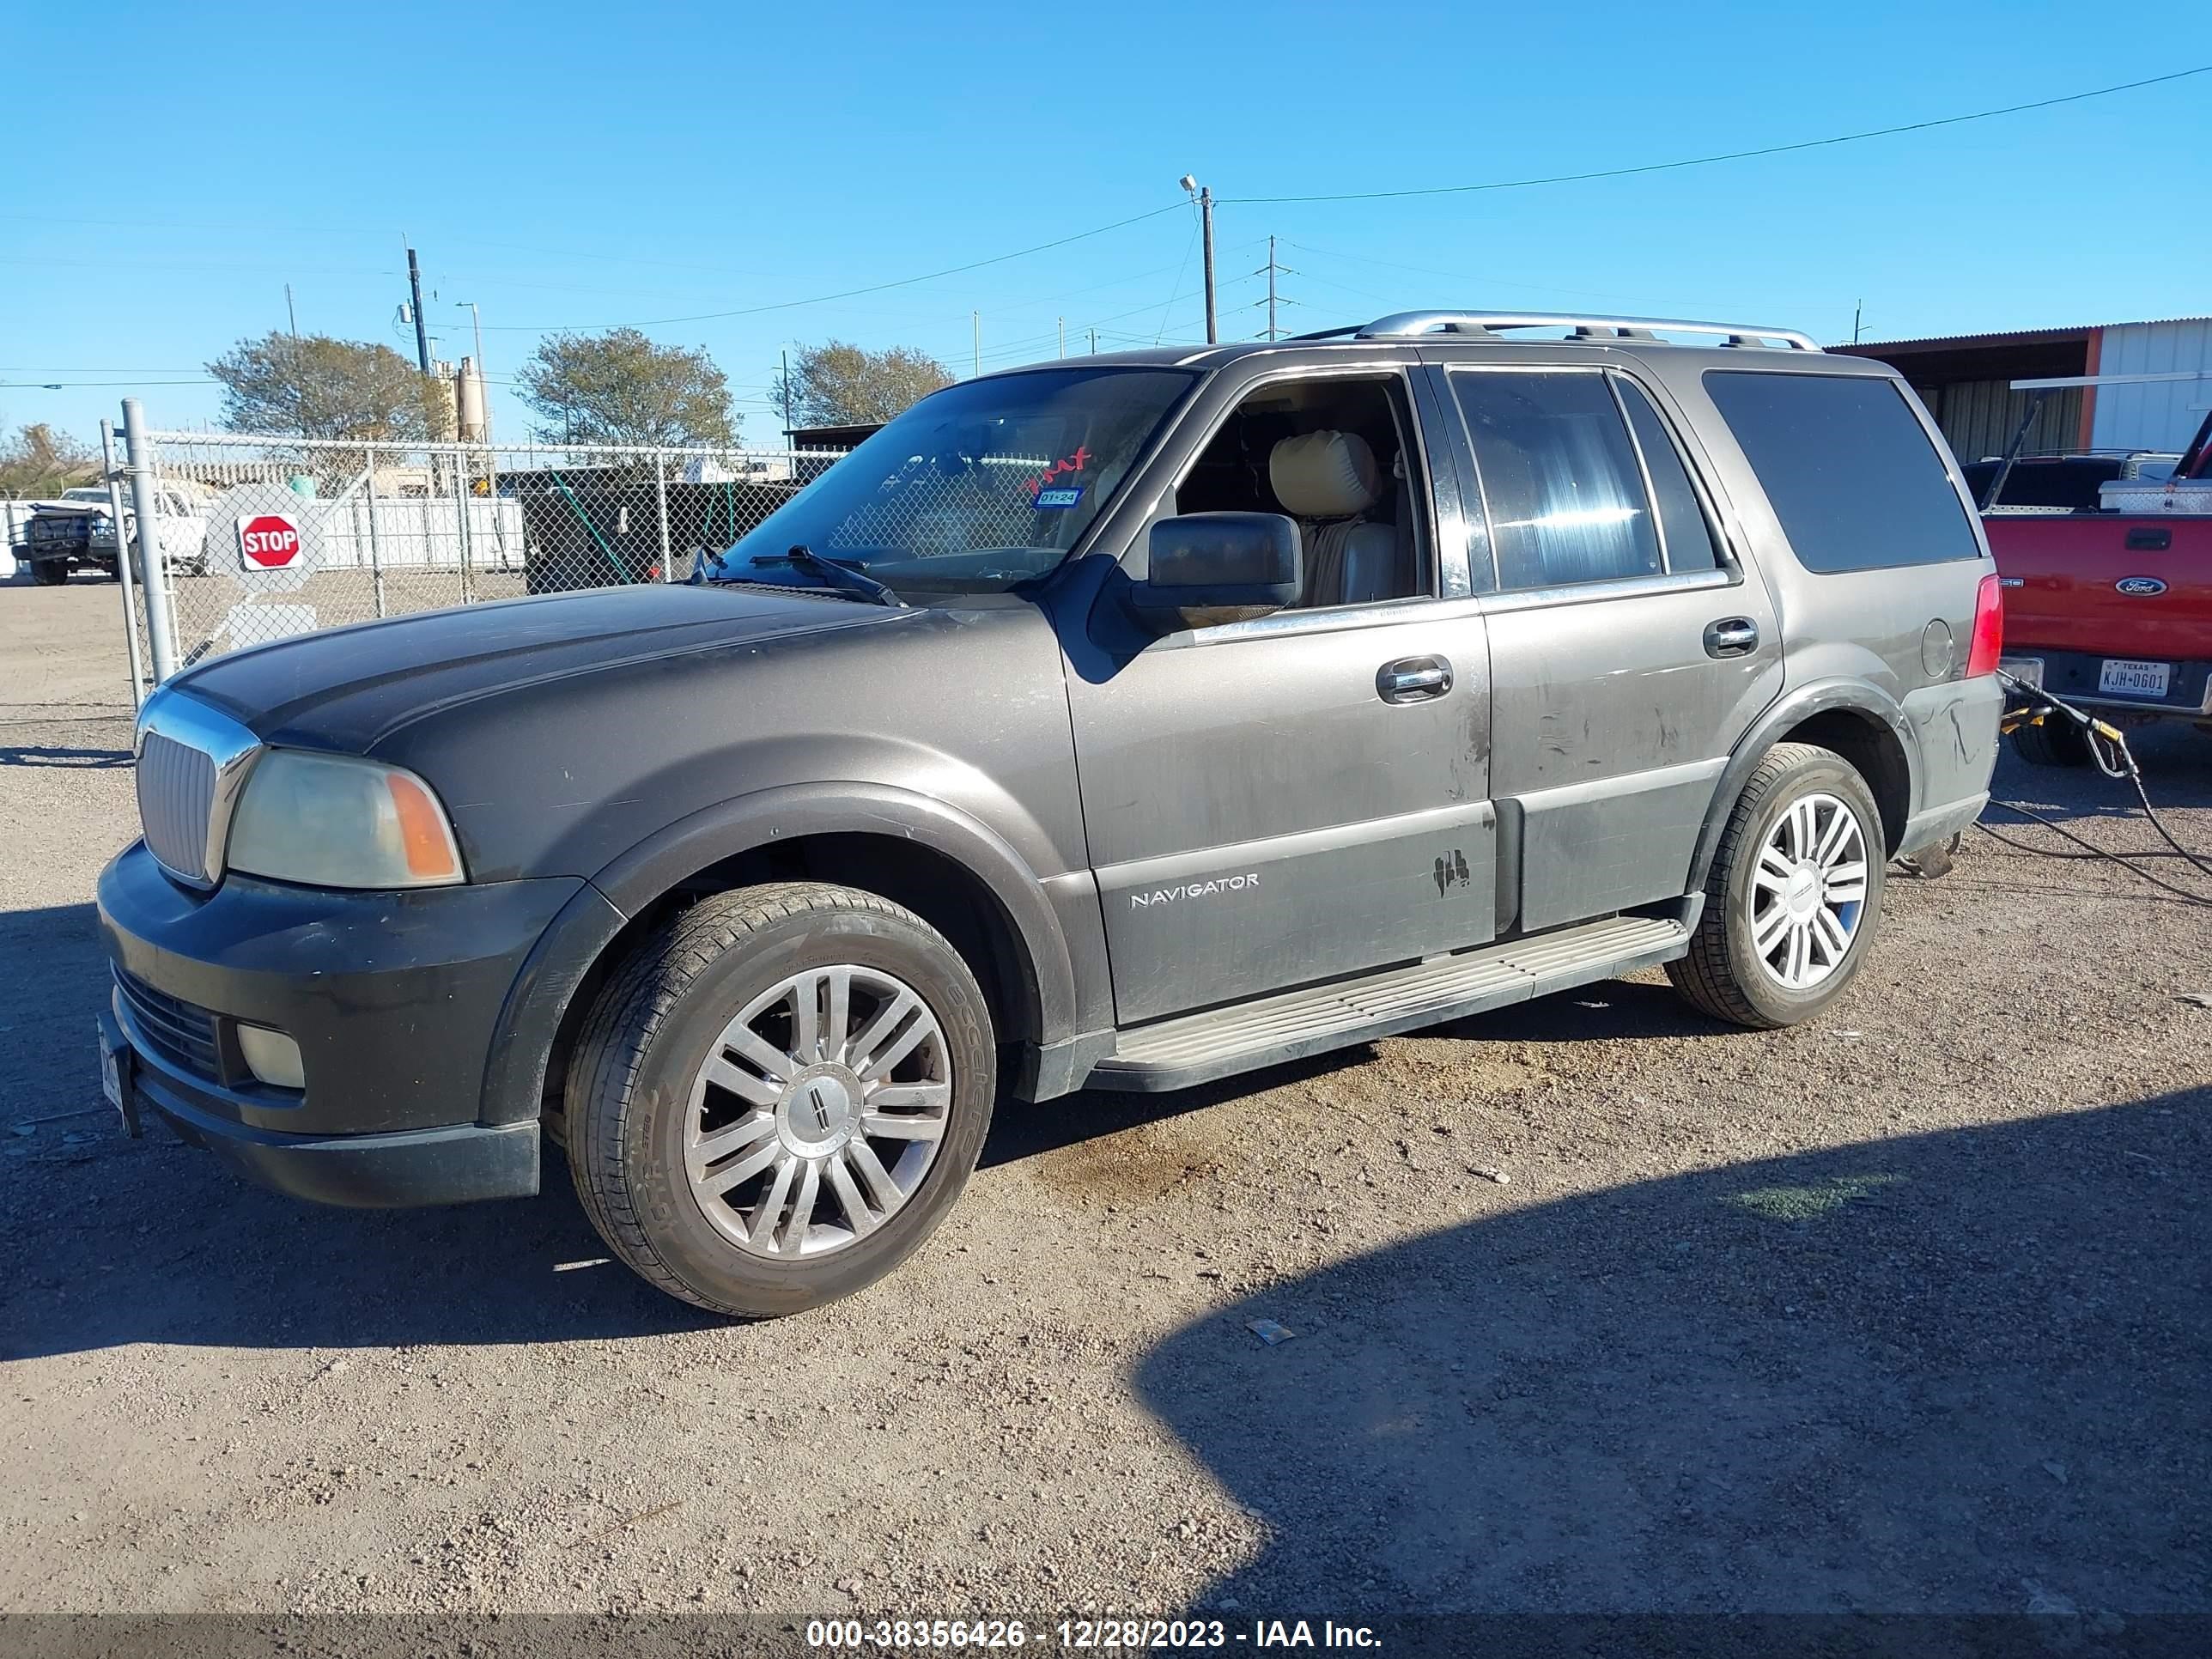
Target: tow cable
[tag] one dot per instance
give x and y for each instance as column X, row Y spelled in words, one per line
column 2031, row 705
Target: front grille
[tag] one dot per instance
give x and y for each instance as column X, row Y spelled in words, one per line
column 176, row 793
column 179, row 1031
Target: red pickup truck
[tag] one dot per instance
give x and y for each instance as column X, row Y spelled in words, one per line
column 2111, row 609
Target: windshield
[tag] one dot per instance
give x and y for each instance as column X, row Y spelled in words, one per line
column 979, row 487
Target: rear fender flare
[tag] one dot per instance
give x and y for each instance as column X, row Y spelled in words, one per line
column 1817, row 698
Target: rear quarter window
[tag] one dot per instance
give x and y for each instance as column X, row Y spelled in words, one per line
column 1847, row 469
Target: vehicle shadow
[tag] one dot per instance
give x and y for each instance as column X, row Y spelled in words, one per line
column 111, row 1241
column 1959, row 1372
column 68, row 757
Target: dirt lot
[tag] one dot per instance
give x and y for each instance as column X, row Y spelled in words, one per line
column 1598, row 1307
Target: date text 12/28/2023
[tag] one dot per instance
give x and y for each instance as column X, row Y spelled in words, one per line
column 1081, row 1635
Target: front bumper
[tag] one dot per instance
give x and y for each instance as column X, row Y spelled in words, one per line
column 395, row 999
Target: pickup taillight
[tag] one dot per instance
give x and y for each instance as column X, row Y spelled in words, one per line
column 1989, row 629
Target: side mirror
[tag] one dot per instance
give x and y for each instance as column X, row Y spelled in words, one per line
column 1209, row 567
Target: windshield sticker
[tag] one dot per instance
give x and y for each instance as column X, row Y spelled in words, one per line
column 1058, row 497
column 1070, row 470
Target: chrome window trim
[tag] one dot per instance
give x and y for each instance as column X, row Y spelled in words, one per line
column 1334, row 619
column 231, row 746
column 1544, row 598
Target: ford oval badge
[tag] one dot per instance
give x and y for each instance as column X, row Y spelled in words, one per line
column 2140, row 587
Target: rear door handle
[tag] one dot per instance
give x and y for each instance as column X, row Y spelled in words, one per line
column 1731, row 636
column 1413, row 679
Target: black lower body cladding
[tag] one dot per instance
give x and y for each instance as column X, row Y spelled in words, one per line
column 395, row 1000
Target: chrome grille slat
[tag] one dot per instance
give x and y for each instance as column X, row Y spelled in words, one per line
column 176, row 792
column 179, row 1031
column 192, row 761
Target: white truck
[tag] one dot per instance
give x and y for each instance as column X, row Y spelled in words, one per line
column 78, row 532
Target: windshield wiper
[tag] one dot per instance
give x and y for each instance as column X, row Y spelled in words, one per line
column 843, row 578
column 842, row 575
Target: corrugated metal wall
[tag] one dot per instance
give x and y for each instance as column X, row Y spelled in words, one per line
column 1980, row 417
column 2161, row 415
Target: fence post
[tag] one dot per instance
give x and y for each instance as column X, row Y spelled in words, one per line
column 160, row 626
column 460, row 519
column 123, row 562
column 660, row 500
column 375, row 555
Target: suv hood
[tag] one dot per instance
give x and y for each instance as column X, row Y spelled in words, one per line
column 347, row 689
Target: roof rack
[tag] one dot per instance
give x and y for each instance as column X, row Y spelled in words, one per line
column 1644, row 330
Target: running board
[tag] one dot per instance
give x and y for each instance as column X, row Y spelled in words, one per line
column 1198, row 1047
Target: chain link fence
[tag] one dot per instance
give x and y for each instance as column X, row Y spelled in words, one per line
column 264, row 537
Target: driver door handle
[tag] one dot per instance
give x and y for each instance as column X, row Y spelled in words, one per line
column 1413, row 679
column 1731, row 636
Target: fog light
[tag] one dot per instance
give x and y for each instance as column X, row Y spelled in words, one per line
column 272, row 1057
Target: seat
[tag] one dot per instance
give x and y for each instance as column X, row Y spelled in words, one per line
column 1328, row 482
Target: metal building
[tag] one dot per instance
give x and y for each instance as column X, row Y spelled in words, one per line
column 1965, row 380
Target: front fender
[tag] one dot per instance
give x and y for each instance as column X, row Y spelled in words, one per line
column 642, row 875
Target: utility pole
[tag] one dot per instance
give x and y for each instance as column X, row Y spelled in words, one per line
column 290, row 315
column 1094, row 342
column 1206, row 220
column 1858, row 307
column 786, row 384
column 1204, row 196
column 1063, row 336
column 421, row 333
column 976, row 317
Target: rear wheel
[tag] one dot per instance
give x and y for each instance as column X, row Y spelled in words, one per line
column 1794, row 894
column 2054, row 740
column 50, row 573
column 780, row 1096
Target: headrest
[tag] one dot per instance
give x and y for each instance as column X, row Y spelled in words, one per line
column 1324, row 475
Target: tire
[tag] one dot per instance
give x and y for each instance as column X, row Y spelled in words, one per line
column 50, row 573
column 2055, row 740
column 1726, row 974
column 640, row 1116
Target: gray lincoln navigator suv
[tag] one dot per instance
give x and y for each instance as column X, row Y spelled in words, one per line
column 1117, row 723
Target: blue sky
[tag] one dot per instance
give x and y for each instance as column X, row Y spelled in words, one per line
column 576, row 165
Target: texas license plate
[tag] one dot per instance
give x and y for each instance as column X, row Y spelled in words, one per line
column 2130, row 679
column 115, row 1073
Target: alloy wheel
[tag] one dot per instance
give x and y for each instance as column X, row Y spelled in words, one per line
column 1808, row 890
column 818, row 1112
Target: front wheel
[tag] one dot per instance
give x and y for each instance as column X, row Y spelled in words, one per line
column 1794, row 894
column 50, row 573
column 779, row 1096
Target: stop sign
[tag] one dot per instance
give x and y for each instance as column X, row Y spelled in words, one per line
column 269, row 540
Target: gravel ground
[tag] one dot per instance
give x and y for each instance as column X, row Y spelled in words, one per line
column 1598, row 1306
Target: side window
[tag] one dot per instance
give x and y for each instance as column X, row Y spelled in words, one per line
column 1559, row 477
column 1335, row 453
column 1682, row 521
column 1849, row 470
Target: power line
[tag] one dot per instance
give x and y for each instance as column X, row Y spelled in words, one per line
column 1729, row 155
column 850, row 293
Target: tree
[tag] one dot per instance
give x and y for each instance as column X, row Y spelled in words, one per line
column 619, row 387
column 837, row 384
column 318, row 388
column 41, row 461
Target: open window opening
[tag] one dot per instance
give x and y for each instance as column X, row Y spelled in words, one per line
column 1334, row 453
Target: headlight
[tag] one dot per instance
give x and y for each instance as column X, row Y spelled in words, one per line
column 328, row 821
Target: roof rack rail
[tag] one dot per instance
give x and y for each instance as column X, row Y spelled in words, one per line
column 1644, row 330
